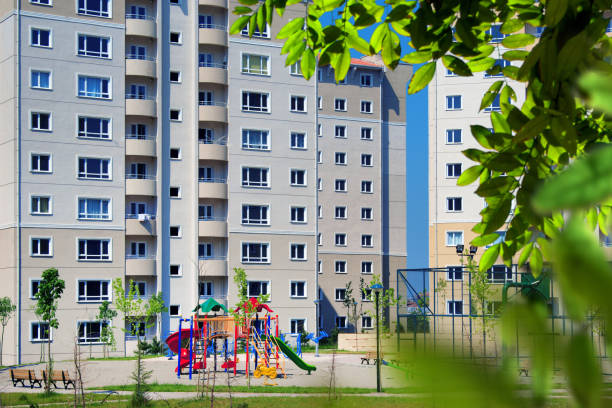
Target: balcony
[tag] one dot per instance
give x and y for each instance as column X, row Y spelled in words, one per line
column 213, row 266
column 212, row 112
column 137, row 105
column 140, row 266
column 137, row 65
column 212, row 151
column 136, row 145
column 213, row 73
column 140, row 184
column 213, row 3
column 212, row 227
column 140, row 224
column 212, row 188
column 140, row 25
column 212, row 34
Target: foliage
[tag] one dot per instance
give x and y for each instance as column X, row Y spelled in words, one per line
column 350, row 303
column 154, row 347
column 332, row 339
column 385, row 300
column 134, row 308
column 106, row 314
column 244, row 313
column 140, row 376
column 7, row 308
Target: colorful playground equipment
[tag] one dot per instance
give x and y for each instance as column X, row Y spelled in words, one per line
column 260, row 333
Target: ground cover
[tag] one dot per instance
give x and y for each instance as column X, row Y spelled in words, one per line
column 8, row 399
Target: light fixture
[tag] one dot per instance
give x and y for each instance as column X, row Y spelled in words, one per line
column 473, row 250
column 459, row 249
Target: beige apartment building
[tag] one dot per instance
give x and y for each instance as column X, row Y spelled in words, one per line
column 144, row 142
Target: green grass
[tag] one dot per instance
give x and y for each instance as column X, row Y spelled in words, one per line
column 8, row 399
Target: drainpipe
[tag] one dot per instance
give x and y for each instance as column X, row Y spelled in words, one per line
column 19, row 182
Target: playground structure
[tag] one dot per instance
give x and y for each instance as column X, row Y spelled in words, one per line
column 260, row 334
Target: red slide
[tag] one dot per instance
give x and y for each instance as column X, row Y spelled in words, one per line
column 172, row 340
column 197, row 365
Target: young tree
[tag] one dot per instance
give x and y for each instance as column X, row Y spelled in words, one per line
column 7, row 308
column 385, row 301
column 50, row 290
column 106, row 315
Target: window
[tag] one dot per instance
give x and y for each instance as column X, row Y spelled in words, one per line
column 366, row 160
column 205, row 250
column 366, row 107
column 453, row 170
column 40, row 121
column 366, row 322
column 296, row 69
column 340, row 294
column 454, row 238
column 40, row 331
column 255, row 139
column 495, row 105
column 319, row 238
column 176, row 114
column 340, row 266
column 450, row 73
column 499, row 274
column 495, row 33
column 319, row 266
column 94, row 249
column 91, row 332
column 298, row 177
column 341, row 322
column 340, row 131
column 255, row 252
column 454, row 307
column 298, row 289
column 366, row 80
column 40, row 205
column 175, row 192
column 496, row 69
column 205, row 289
column 255, row 177
column 298, row 214
column 340, row 158
column 175, row 76
column 40, row 37
column 137, row 131
column 366, row 133
column 454, row 273
column 255, row 101
column 93, row 46
column 366, row 213
column 206, row 21
column 298, row 103
column 256, row 33
column 340, row 239
column 175, row 153
column 94, row 209
column 97, row 8
column 40, row 163
column 205, row 212
column 255, row 64
column 320, row 211
column 175, row 2
column 40, row 79
column 94, row 128
column 366, row 267
column 205, row 175
column 94, row 291
column 453, row 204
column 41, row 247
column 319, row 102
column 34, row 283
column 340, row 185
column 319, row 184
column 340, row 212
column 366, row 241
column 298, row 252
column 93, row 168
column 453, row 136
column 453, row 102
column 319, row 157
column 256, row 288
column 298, row 140
column 174, row 310
column 138, row 250
column 298, row 326
column 137, row 91
column 319, row 130
column 41, row 2
column 206, row 136
column 255, row 214
column 175, row 231
column 340, row 104
column 94, row 87
column 175, row 38
column 366, row 186
column 175, row 270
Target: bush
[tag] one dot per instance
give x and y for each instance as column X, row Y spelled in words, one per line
column 154, row 347
column 332, row 340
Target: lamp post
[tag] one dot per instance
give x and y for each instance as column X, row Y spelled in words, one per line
column 377, row 289
column 316, row 302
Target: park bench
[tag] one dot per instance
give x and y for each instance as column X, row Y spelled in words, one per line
column 59, row 376
column 370, row 355
column 21, row 375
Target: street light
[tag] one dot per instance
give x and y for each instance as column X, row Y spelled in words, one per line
column 377, row 288
column 316, row 302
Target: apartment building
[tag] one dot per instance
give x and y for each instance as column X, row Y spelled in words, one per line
column 146, row 143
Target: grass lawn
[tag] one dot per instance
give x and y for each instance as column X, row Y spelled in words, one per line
column 8, row 399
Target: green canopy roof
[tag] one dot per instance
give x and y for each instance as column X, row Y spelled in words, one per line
column 210, row 305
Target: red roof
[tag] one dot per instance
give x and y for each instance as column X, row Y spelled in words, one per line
column 255, row 304
column 359, row 61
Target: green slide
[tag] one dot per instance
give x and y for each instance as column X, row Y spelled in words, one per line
column 294, row 357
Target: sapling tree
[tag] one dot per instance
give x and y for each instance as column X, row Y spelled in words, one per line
column 7, row 308
column 107, row 336
column 50, row 290
column 385, row 300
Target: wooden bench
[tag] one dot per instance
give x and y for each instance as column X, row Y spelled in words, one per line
column 370, row 355
column 21, row 375
column 59, row 376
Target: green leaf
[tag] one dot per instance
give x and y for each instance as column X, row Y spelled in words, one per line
column 586, row 182
column 490, row 95
column 239, row 24
column 554, row 12
column 536, row 262
column 456, row 65
column 512, row 26
column 422, row 77
column 602, row 222
column 489, row 257
column 500, row 125
column 470, row 175
column 342, row 65
column 242, row 10
column 329, row 5
column 532, row 128
column 495, row 216
column 482, row 135
column 417, row 57
column 389, row 52
column 599, row 87
column 591, row 218
column 495, row 186
column 504, row 162
column 582, row 367
column 481, row 64
column 515, row 55
column 308, row 63
column 518, row 40
column 483, row 240
column 525, row 254
column 377, row 37
column 290, row 28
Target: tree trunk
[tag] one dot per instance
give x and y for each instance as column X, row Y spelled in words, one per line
column 49, row 363
column 2, row 345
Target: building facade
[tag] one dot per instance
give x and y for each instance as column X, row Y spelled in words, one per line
column 144, row 142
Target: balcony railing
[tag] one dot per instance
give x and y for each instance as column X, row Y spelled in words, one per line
column 212, row 103
column 212, row 180
column 138, row 96
column 139, row 137
column 131, row 256
column 216, row 297
column 139, row 17
column 206, row 218
column 212, row 258
column 139, row 57
column 215, row 26
column 203, row 64
column 140, row 176
column 217, row 140
column 135, row 216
